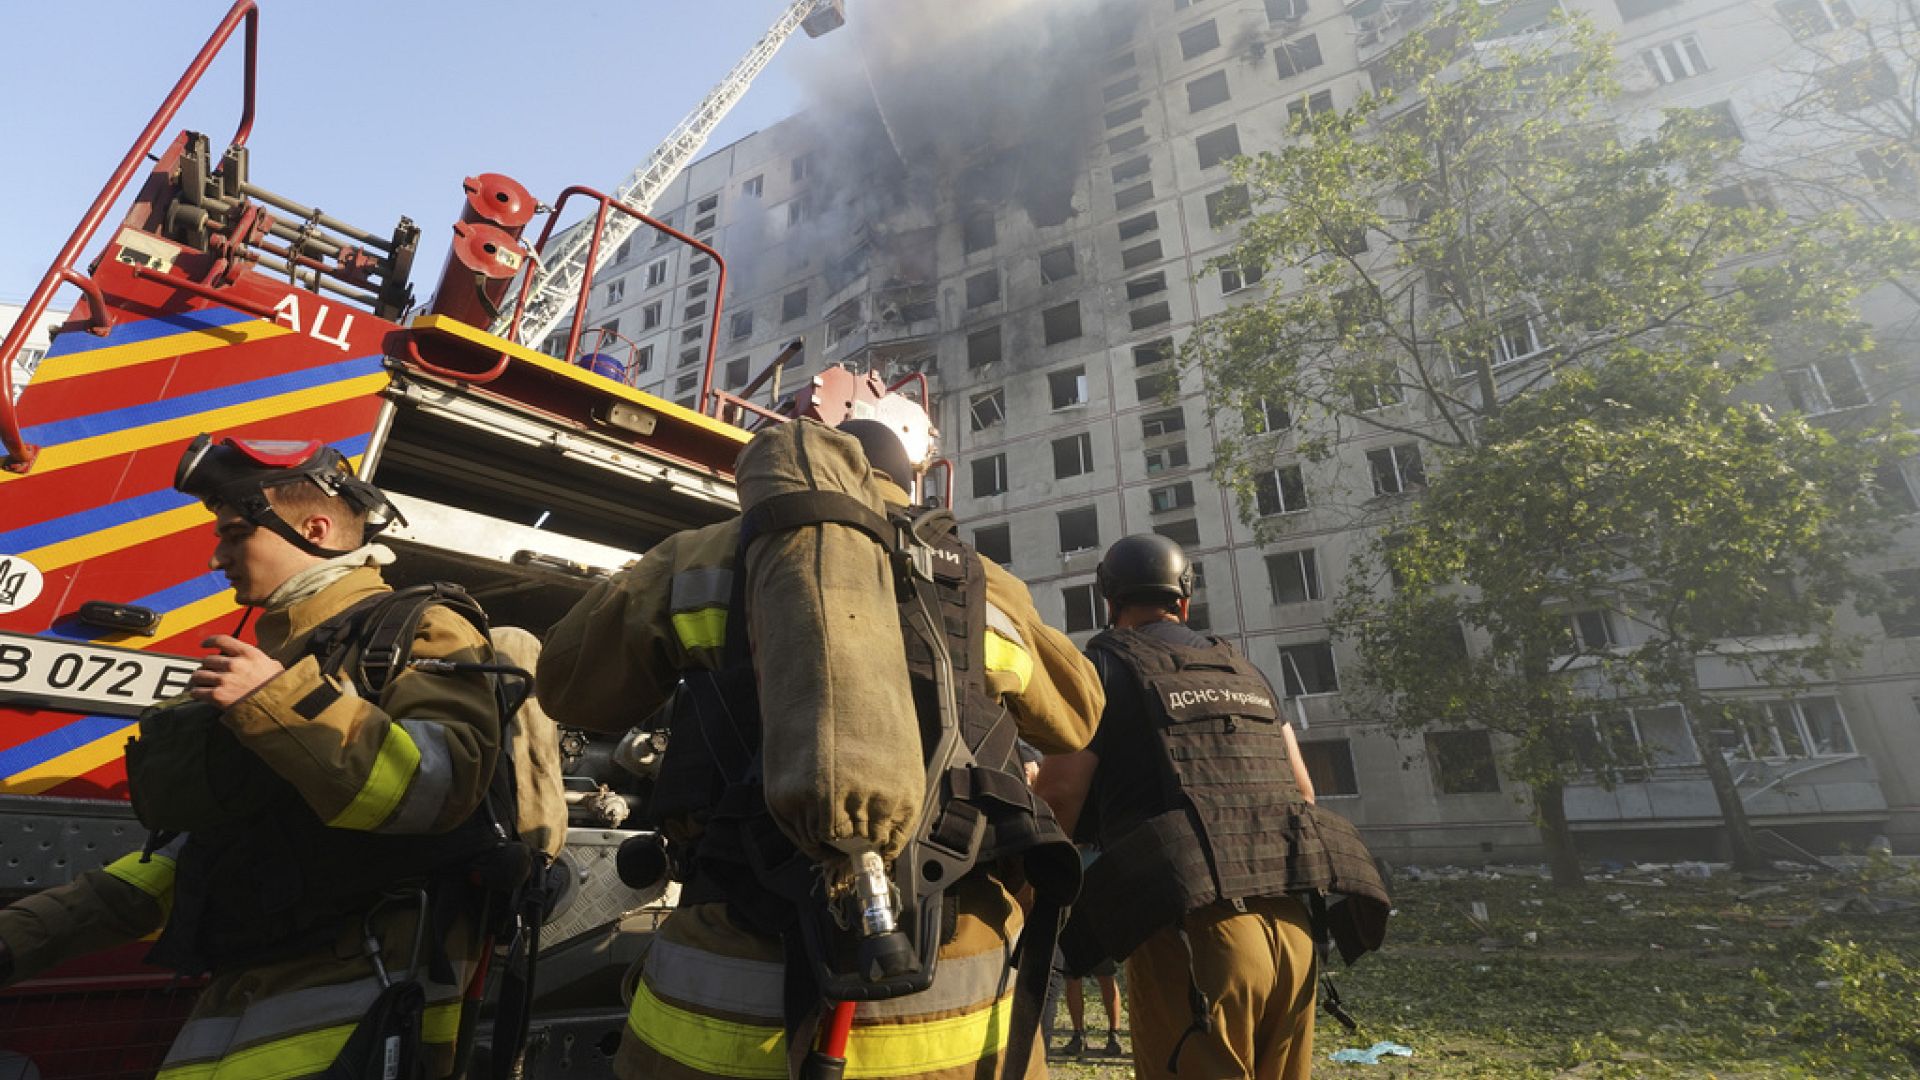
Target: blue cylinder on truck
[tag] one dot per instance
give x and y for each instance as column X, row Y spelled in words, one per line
column 602, row 364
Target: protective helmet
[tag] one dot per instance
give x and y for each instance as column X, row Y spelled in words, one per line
column 884, row 450
column 1143, row 566
column 237, row 473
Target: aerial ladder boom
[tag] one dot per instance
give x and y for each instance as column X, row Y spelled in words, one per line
column 556, row 283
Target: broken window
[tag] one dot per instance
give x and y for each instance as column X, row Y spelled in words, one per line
column 1235, row 278
column 994, row 542
column 988, row 409
column 1128, row 198
column 793, row 305
column 1592, row 629
column 1199, row 40
column 1329, row 764
column 906, row 304
column 983, row 288
column 1126, row 114
column 1302, row 109
column 1165, row 422
column 1163, row 458
column 1229, row 204
column 1139, row 226
column 1057, row 264
column 1155, row 387
column 1396, row 469
column 1171, row 497
column 1150, row 316
column 1294, row 576
column 1115, row 91
column 1061, row 323
column 1462, row 762
column 1132, row 169
column 843, row 320
column 1079, row 530
column 1308, row 669
column 1218, row 146
column 1140, row 255
column 1152, row 352
column 1901, row 615
column 1296, row 56
column 1072, row 456
column 1127, row 140
column 1186, row 533
column 742, row 325
column 1067, row 388
column 989, row 476
column 752, row 186
column 1863, row 82
column 1271, row 416
column 977, row 232
column 1280, row 11
column 616, row 290
column 1207, row 91
column 1142, row 287
column 1280, row 491
column 983, row 347
column 1082, row 604
column 1826, row 386
column 736, row 373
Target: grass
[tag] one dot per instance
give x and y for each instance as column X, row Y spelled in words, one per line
column 1643, row 975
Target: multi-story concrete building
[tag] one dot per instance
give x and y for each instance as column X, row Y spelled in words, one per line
column 1040, row 275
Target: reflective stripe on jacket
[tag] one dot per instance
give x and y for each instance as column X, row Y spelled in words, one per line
column 704, row 1012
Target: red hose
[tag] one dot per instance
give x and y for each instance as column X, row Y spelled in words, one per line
column 839, row 1028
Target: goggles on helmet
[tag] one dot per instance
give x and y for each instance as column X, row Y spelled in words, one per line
column 237, row 473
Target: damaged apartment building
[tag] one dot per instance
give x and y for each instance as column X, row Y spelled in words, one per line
column 1022, row 211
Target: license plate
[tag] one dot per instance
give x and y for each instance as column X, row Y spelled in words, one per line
column 74, row 675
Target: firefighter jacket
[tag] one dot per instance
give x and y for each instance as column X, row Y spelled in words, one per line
column 1194, row 802
column 710, row 1000
column 414, row 764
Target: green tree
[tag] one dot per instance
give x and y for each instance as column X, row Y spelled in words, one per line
column 1562, row 311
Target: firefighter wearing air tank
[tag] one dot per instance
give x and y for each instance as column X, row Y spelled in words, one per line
column 299, row 824
column 1216, row 869
column 805, row 638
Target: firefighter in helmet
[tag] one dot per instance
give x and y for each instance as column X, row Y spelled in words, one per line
column 783, row 630
column 1216, row 869
column 321, row 825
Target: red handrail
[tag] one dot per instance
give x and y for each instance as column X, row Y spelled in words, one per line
column 593, row 254
column 19, row 455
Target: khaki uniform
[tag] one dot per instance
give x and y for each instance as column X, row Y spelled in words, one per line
column 417, row 761
column 1258, row 968
column 709, row 1001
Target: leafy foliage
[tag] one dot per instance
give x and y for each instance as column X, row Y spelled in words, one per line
column 1568, row 309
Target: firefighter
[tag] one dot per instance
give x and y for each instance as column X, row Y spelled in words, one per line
column 1216, row 867
column 714, row 997
column 311, row 891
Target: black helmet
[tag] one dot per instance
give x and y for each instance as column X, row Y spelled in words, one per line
column 1145, row 565
column 884, row 450
column 236, row 473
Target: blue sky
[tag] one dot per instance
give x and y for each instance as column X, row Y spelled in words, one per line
column 369, row 109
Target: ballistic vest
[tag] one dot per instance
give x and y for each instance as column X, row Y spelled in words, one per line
column 261, row 877
column 1223, row 819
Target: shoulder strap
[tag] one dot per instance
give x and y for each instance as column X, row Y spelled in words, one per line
column 383, row 627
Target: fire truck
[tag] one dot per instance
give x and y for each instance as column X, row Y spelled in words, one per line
column 219, row 305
